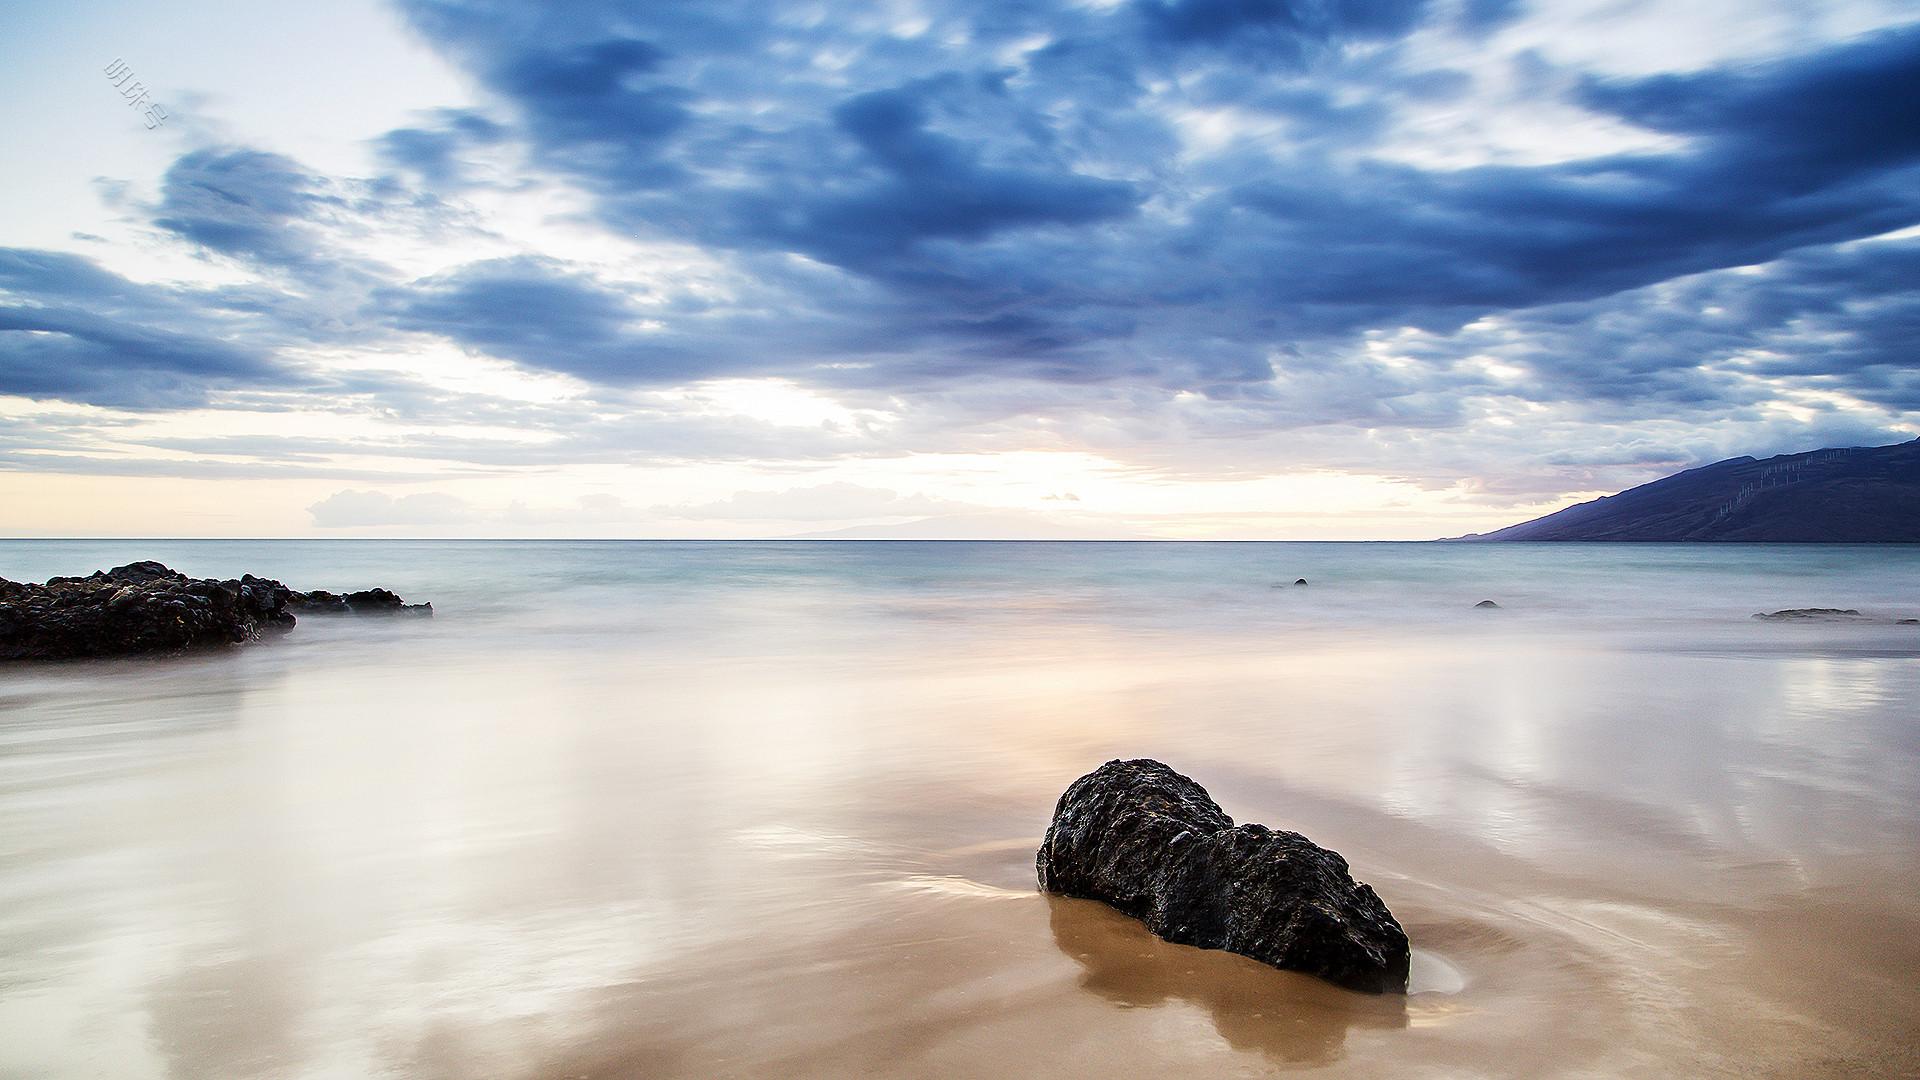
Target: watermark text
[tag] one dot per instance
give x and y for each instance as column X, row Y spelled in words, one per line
column 136, row 93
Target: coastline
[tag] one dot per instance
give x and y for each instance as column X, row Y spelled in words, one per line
column 752, row 810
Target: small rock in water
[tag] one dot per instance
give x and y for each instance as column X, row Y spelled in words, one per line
column 1299, row 581
column 1486, row 604
column 1818, row 613
column 364, row 602
column 1152, row 843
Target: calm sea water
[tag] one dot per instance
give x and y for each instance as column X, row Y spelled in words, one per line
column 768, row 809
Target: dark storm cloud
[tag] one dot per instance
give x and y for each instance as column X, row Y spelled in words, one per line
column 928, row 187
column 1804, row 152
column 1112, row 226
column 1838, row 319
column 317, row 233
column 1025, row 208
column 1839, row 114
column 436, row 151
column 71, row 330
column 535, row 312
column 587, row 93
column 239, row 202
column 55, row 352
column 1279, row 30
column 590, row 105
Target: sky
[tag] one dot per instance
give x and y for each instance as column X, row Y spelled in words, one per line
column 1237, row 269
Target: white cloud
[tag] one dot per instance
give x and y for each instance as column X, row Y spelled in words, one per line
column 822, row 502
column 353, row 509
column 982, row 526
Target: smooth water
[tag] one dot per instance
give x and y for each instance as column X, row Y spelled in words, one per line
column 769, row 809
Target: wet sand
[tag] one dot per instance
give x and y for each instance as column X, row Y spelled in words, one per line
column 446, row 851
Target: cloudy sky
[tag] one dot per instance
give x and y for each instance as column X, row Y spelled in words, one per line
column 1136, row 268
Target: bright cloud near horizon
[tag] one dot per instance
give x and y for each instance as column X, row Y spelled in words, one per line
column 1291, row 269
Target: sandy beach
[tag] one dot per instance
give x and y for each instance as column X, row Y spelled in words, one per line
column 740, row 811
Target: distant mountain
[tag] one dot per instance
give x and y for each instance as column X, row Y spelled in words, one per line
column 1850, row 495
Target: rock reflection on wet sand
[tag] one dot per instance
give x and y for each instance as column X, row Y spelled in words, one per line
column 1288, row 1018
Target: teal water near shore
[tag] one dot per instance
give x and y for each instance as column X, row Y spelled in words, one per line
column 748, row 809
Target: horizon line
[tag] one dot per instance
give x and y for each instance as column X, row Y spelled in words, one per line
column 712, row 540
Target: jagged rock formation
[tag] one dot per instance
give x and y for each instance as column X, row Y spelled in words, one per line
column 144, row 607
column 1827, row 615
column 1838, row 496
column 1153, row 844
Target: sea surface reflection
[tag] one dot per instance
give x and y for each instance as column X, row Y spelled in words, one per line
column 770, row 809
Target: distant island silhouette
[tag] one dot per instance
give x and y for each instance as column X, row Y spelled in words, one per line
column 1841, row 495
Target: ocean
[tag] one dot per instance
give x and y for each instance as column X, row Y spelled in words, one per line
column 692, row 809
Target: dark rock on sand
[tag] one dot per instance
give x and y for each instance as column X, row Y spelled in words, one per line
column 1150, row 842
column 1486, row 604
column 144, row 607
column 1817, row 614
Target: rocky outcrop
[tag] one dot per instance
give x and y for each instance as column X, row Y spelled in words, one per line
column 144, row 607
column 1487, row 604
column 1153, row 844
column 1815, row 614
column 1829, row 614
column 364, row 602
